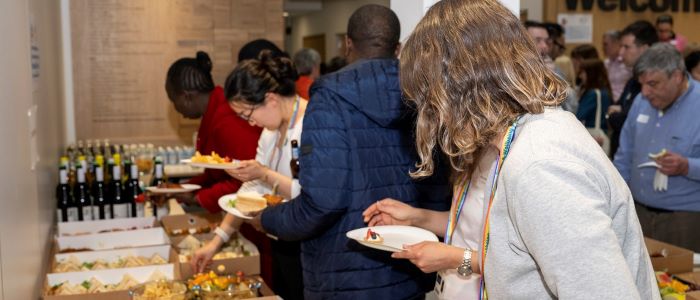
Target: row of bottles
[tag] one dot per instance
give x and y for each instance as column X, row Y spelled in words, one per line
column 109, row 195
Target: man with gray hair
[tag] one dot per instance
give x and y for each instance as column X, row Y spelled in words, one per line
column 659, row 154
column 308, row 63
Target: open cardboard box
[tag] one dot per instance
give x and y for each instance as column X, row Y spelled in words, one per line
column 180, row 226
column 677, row 260
column 113, row 240
column 104, row 226
column 141, row 274
column 164, row 251
column 694, row 278
column 249, row 265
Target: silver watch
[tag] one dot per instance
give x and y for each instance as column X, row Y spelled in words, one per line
column 465, row 269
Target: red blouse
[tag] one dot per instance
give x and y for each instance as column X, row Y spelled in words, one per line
column 222, row 131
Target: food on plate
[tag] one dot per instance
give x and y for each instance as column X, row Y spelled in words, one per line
column 247, row 203
column 373, row 237
column 658, row 155
column 169, row 185
column 236, row 247
column 273, row 200
column 72, row 264
column 210, row 286
column 210, row 159
column 161, row 289
column 95, row 286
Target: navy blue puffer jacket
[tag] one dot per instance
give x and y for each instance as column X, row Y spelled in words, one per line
column 357, row 147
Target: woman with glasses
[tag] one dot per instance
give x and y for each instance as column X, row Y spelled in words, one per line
column 263, row 92
column 191, row 89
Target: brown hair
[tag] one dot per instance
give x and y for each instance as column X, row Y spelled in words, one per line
column 470, row 68
column 596, row 75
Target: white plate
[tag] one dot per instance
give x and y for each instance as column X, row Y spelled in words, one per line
column 224, row 204
column 395, row 236
column 186, row 188
column 229, row 166
column 648, row 164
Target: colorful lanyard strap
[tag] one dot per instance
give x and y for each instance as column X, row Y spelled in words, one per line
column 459, row 193
column 507, row 142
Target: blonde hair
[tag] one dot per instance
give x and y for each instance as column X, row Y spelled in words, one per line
column 470, row 68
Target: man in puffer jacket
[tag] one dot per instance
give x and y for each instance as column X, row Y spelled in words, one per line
column 357, row 147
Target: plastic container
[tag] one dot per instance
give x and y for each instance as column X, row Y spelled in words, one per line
column 161, row 290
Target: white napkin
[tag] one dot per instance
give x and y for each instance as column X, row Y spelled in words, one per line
column 660, row 181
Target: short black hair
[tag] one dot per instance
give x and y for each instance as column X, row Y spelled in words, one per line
column 692, row 60
column 252, row 50
column 664, row 19
column 644, row 33
column 534, row 24
column 252, row 78
column 375, row 31
column 191, row 74
column 555, row 30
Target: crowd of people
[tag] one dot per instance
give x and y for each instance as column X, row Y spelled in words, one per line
column 474, row 129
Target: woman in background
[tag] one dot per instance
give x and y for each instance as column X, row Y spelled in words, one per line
column 262, row 92
column 191, row 89
column 594, row 84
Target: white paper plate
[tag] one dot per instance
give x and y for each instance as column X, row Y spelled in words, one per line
column 186, row 188
column 234, row 164
column 648, row 165
column 224, row 203
column 395, row 236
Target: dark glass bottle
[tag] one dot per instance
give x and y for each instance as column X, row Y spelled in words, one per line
column 63, row 195
column 294, row 162
column 102, row 208
column 133, row 191
column 120, row 207
column 81, row 194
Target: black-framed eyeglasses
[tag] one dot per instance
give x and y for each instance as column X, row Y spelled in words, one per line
column 246, row 117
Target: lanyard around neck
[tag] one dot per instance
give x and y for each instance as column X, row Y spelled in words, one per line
column 506, row 144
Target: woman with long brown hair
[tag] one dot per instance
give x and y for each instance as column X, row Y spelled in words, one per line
column 594, row 86
column 538, row 210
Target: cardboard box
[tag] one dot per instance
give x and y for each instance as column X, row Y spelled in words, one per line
column 164, row 251
column 104, row 226
column 249, row 265
column 114, row 240
column 180, row 226
column 693, row 278
column 141, row 274
column 677, row 259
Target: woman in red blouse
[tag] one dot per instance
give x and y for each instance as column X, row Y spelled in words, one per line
column 191, row 89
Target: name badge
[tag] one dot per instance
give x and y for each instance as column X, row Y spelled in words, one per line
column 642, row 119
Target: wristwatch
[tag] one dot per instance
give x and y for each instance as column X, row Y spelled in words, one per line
column 465, row 269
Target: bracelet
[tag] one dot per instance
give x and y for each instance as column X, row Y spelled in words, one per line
column 222, row 234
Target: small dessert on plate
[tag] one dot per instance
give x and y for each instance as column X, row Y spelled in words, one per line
column 373, row 237
column 249, row 202
column 273, row 200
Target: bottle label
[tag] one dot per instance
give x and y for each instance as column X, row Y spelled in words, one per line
column 63, row 176
column 72, row 214
column 134, row 171
column 99, row 175
column 140, row 210
column 121, row 211
column 87, row 213
column 59, row 216
column 295, row 153
column 159, row 171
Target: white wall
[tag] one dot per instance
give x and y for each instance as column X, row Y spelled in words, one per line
column 534, row 9
column 331, row 20
column 27, row 205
